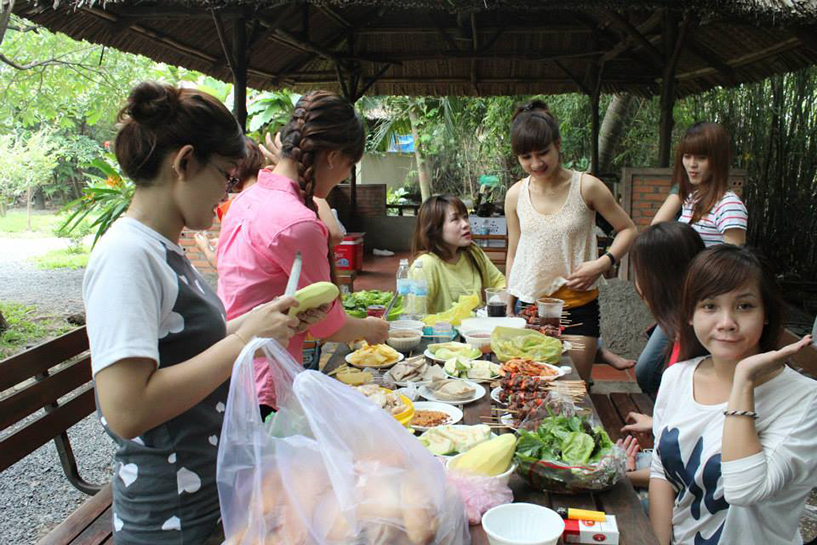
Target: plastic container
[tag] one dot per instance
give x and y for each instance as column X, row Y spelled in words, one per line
column 419, row 291
column 416, row 325
column 404, row 284
column 522, row 524
column 480, row 340
column 404, row 340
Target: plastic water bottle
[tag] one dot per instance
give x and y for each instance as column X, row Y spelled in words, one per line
column 404, row 285
column 419, row 291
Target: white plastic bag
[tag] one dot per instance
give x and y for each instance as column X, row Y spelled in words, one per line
column 330, row 468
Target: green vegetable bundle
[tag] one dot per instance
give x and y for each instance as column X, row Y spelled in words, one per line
column 567, row 454
column 357, row 302
column 508, row 343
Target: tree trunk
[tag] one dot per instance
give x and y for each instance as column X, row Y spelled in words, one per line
column 422, row 166
column 4, row 325
column 2, row 206
column 611, row 128
column 28, row 207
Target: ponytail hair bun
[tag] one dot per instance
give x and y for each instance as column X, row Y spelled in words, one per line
column 159, row 119
column 533, row 128
column 152, row 104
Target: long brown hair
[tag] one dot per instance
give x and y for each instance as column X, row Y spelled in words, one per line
column 428, row 232
column 721, row 269
column 249, row 166
column 711, row 140
column 533, row 128
column 322, row 121
column 159, row 118
column 660, row 256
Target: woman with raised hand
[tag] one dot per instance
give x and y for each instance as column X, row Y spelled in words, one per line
column 161, row 348
column 277, row 217
column 735, row 432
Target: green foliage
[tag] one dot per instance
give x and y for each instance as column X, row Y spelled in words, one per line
column 26, row 327
column 14, row 224
column 69, row 258
column 268, row 111
column 27, row 161
column 104, row 200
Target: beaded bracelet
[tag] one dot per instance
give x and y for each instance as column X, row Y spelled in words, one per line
column 741, row 413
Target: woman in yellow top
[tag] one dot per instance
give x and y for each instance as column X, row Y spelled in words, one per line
column 452, row 264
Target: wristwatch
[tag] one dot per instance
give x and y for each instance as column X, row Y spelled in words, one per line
column 613, row 260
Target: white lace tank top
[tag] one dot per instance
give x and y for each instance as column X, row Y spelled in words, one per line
column 551, row 246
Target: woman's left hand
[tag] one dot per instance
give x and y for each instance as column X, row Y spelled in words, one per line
column 588, row 272
column 756, row 367
column 311, row 317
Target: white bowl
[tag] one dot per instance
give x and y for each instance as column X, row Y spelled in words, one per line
column 482, row 342
column 488, row 324
column 402, row 343
column 502, row 477
column 407, row 324
column 522, row 524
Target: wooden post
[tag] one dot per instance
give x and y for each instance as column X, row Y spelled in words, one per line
column 667, row 91
column 594, row 86
column 239, row 58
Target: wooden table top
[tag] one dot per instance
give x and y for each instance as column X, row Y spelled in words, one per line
column 621, row 500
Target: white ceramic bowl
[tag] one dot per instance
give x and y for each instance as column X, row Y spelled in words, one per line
column 481, row 340
column 404, row 340
column 502, row 477
column 407, row 324
column 522, row 524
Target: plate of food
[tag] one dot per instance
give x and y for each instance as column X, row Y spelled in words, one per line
column 530, row 368
column 374, row 355
column 495, row 395
column 476, row 370
column 414, row 369
column 442, row 352
column 397, row 405
column 452, row 390
column 430, row 414
column 454, row 439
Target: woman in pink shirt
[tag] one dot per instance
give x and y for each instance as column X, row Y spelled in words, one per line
column 277, row 216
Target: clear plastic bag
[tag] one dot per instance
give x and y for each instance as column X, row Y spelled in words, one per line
column 564, row 426
column 330, row 467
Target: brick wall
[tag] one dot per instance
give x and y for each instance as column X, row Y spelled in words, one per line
column 371, row 202
column 195, row 256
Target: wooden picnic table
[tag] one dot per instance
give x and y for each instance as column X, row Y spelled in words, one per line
column 621, row 500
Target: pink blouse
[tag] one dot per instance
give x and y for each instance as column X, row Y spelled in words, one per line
column 266, row 225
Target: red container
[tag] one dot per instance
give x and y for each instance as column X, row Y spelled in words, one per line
column 349, row 253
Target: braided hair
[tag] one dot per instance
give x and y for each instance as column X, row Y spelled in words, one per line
column 322, row 121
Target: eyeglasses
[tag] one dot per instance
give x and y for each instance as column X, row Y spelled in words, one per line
column 232, row 181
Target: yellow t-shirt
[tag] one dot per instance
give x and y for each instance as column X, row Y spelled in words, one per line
column 446, row 281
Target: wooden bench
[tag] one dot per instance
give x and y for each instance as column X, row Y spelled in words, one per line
column 54, row 376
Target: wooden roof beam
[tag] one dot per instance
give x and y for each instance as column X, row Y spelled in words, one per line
column 579, row 83
column 627, row 43
column 711, row 59
column 392, row 30
column 754, row 56
column 147, row 13
column 653, row 54
column 335, row 16
column 289, row 39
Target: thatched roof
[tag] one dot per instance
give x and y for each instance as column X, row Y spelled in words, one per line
column 456, row 47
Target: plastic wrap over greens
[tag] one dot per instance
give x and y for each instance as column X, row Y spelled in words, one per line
column 568, row 454
column 508, row 343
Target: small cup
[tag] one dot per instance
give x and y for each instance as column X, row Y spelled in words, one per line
column 376, row 310
column 550, row 309
column 496, row 301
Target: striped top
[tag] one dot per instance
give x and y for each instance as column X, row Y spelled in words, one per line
column 728, row 213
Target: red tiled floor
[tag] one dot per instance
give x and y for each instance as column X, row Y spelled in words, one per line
column 602, row 371
column 379, row 273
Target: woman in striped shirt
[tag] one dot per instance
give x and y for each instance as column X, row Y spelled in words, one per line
column 701, row 175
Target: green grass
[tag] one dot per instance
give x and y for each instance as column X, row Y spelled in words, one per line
column 43, row 223
column 68, row 258
column 27, row 327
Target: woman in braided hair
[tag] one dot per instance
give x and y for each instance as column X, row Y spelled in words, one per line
column 277, row 216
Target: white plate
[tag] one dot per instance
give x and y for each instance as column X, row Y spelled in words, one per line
column 400, row 357
column 429, row 395
column 477, row 380
column 455, row 415
column 432, row 357
column 488, row 324
column 561, row 371
column 495, row 395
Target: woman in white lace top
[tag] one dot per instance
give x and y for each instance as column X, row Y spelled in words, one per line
column 551, row 214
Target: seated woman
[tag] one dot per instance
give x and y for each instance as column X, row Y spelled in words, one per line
column 735, row 430
column 452, row 264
